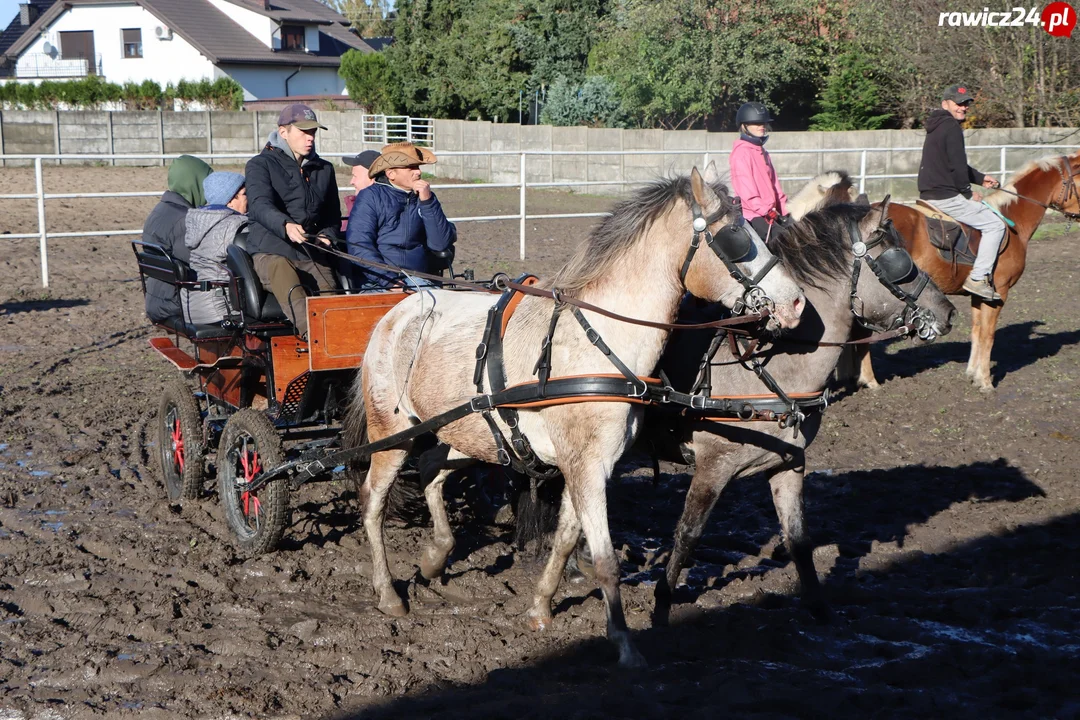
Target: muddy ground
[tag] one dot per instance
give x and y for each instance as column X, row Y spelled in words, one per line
column 947, row 523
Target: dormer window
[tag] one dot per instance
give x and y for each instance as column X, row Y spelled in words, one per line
column 292, row 38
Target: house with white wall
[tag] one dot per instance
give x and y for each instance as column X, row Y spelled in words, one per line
column 273, row 48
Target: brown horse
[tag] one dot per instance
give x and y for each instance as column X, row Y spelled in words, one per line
column 1046, row 184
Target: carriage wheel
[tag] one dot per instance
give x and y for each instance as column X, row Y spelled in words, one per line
column 250, row 444
column 180, row 442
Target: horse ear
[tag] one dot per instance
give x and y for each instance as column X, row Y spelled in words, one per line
column 703, row 194
column 862, row 200
column 712, row 175
column 884, row 209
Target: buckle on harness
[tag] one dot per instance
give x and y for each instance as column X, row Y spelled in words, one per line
column 592, row 336
column 697, row 402
column 635, row 393
column 746, row 412
column 480, row 403
column 481, row 351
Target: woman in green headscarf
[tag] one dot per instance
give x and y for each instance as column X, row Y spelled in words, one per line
column 165, row 227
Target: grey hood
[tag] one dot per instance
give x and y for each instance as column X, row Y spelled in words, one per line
column 275, row 140
column 202, row 222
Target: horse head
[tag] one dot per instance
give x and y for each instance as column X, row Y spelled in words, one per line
column 736, row 268
column 895, row 292
column 829, row 188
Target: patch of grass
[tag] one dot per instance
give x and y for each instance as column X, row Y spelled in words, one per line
column 1049, row 230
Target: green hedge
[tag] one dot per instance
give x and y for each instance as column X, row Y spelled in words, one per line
column 92, row 92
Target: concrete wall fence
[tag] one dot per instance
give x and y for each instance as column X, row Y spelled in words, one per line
column 54, row 132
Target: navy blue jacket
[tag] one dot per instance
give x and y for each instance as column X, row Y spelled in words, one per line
column 392, row 226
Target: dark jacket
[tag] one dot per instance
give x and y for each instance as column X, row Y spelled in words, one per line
column 390, row 225
column 164, row 226
column 944, row 171
column 280, row 191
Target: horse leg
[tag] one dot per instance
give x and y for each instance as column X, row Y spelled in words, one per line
column 709, row 481
column 563, row 544
column 433, row 560
column 988, row 326
column 384, row 469
column 866, row 367
column 976, row 338
column 587, row 483
column 787, row 493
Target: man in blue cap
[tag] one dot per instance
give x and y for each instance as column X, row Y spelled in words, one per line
column 292, row 194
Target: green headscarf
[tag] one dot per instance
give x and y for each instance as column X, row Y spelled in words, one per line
column 186, row 175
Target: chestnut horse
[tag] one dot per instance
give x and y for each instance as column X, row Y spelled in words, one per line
column 1046, row 184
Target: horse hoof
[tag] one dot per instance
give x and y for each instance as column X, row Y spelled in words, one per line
column 393, row 609
column 539, row 622
column 431, row 569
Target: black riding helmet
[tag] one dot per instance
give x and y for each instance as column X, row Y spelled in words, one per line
column 753, row 113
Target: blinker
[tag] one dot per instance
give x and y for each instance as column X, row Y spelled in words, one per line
column 734, row 242
column 897, row 266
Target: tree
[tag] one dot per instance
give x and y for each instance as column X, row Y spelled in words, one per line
column 369, row 17
column 456, row 58
column 851, row 96
column 684, row 63
column 553, row 38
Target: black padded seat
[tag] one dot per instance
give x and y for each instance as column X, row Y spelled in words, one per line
column 195, row 332
column 257, row 304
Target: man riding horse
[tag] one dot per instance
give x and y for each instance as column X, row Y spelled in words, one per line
column 945, row 180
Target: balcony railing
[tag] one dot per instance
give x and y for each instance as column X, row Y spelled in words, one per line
column 40, row 65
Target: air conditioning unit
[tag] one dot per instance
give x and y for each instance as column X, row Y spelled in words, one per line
column 163, row 33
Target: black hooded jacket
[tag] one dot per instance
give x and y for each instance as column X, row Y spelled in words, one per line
column 944, row 171
column 165, row 227
column 279, row 191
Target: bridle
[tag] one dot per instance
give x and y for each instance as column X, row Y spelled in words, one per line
column 732, row 243
column 893, row 267
column 1068, row 189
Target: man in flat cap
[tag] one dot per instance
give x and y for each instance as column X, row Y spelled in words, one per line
column 292, row 194
column 398, row 220
column 360, row 180
column 945, row 180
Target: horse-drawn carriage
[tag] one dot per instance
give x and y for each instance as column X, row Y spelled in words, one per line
column 263, row 394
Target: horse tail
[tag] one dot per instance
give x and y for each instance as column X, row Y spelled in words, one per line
column 536, row 510
column 354, row 434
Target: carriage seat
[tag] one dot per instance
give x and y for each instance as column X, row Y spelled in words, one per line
column 155, row 262
column 258, row 304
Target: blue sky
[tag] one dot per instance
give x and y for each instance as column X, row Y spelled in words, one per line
column 8, row 8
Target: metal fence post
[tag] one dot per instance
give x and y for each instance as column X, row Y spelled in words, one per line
column 1003, row 149
column 42, row 241
column 862, row 172
column 705, row 163
column 521, row 238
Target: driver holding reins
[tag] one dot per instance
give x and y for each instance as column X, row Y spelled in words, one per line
column 945, row 180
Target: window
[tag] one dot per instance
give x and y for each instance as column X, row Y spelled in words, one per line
column 79, row 45
column 292, row 37
column 132, row 43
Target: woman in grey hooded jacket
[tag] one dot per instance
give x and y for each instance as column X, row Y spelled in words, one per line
column 209, row 232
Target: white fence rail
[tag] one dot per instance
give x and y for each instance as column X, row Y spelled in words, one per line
column 522, row 216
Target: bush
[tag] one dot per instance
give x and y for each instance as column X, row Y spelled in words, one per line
column 93, row 92
column 368, row 80
column 593, row 103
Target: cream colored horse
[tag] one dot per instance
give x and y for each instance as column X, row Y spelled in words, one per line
column 420, row 360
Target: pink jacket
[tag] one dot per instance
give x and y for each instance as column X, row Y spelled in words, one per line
column 754, row 180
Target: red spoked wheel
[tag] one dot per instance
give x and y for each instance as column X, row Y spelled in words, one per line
column 181, row 447
column 257, row 517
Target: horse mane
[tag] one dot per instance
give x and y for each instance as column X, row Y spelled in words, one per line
column 817, row 247
column 627, row 224
column 1002, row 200
column 829, row 188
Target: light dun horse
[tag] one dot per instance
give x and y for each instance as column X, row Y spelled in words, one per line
column 1049, row 183
column 420, row 360
column 818, row 252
